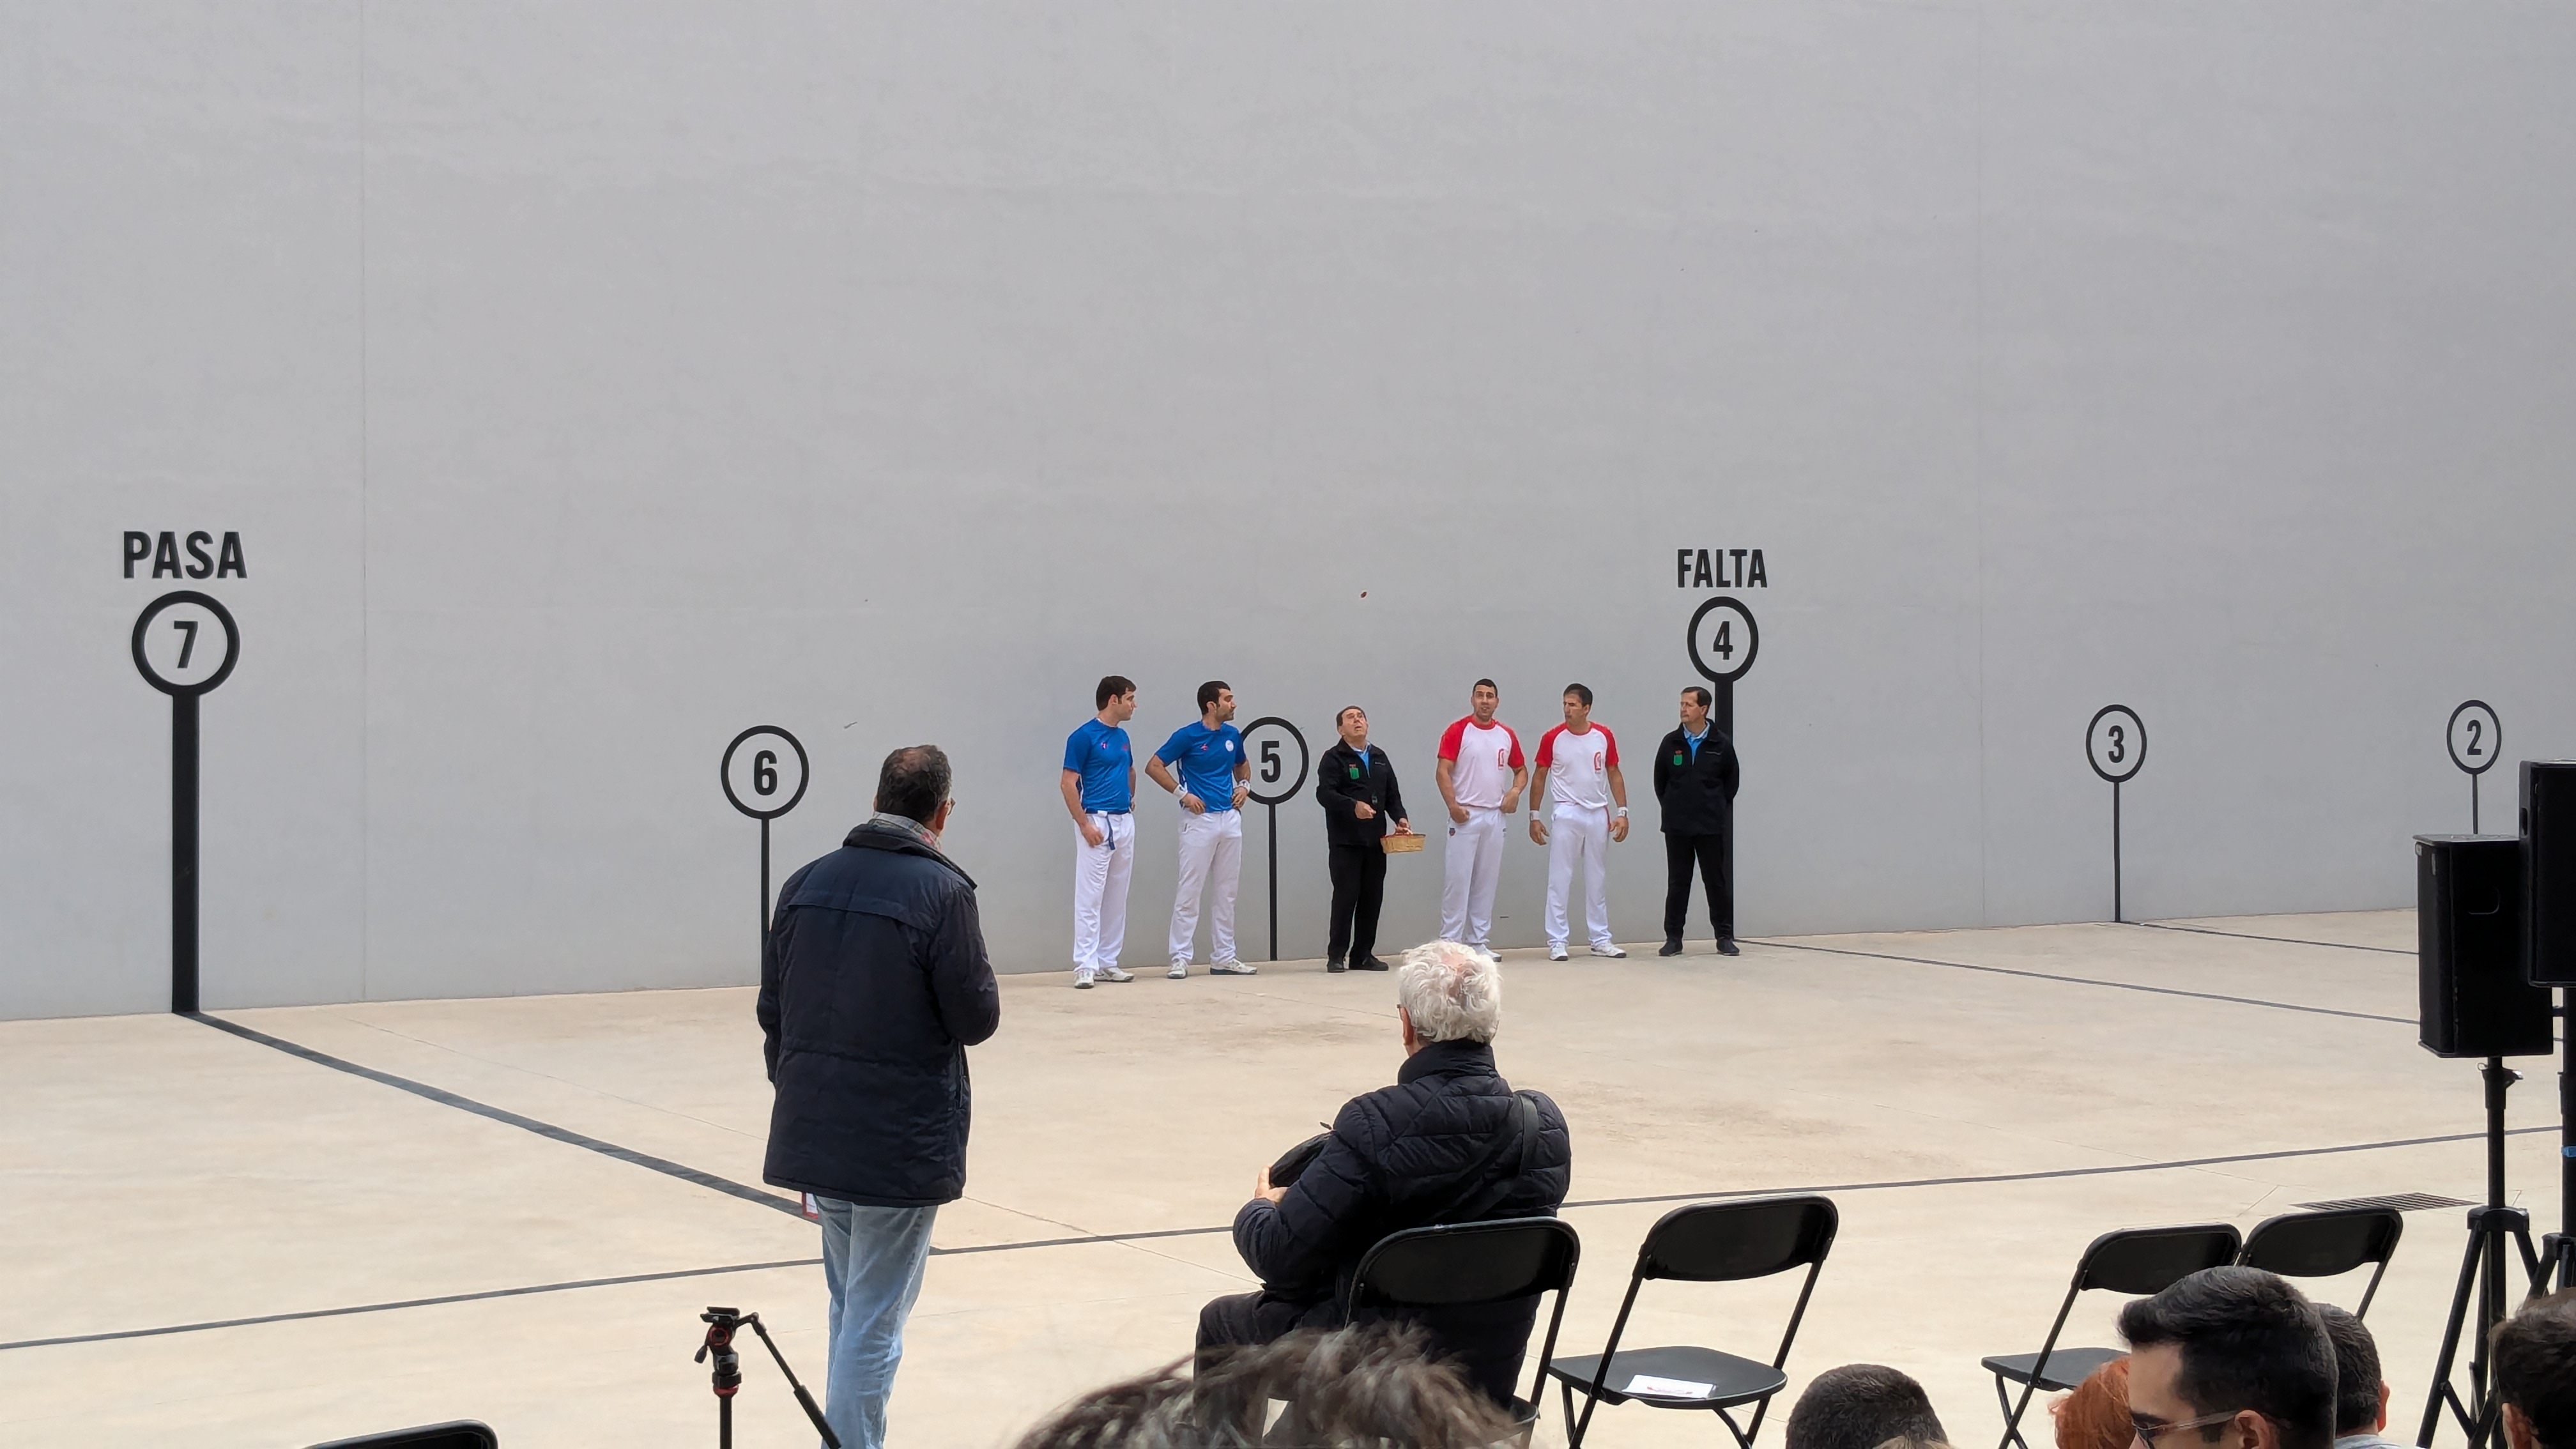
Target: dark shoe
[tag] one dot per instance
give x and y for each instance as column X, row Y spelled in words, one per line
column 1368, row 963
column 1335, row 966
column 1672, row 946
column 1726, row 946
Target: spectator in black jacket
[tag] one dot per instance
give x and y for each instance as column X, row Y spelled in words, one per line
column 873, row 984
column 1356, row 787
column 1695, row 783
column 1443, row 1145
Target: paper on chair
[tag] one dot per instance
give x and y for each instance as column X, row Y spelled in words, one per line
column 1669, row 1388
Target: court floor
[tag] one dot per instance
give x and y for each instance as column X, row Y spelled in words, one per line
column 340, row 1219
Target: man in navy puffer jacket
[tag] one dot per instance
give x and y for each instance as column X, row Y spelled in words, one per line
column 1437, row 1147
column 873, row 984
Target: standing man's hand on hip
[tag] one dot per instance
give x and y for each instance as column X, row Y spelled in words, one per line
column 1458, row 813
column 1191, row 803
column 1092, row 834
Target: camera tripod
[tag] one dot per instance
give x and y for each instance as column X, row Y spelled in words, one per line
column 2482, row 1275
column 722, row 1324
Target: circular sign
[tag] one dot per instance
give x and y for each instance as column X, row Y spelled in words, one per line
column 1724, row 630
column 2476, row 736
column 2116, row 742
column 185, row 642
column 755, row 768
column 1269, row 761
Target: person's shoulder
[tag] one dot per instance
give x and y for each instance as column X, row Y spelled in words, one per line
column 1449, row 737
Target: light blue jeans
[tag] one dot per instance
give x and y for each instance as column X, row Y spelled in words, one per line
column 872, row 1261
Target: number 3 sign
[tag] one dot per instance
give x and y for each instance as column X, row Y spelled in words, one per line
column 2116, row 743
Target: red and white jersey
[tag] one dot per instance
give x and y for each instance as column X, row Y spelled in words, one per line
column 1483, row 757
column 1578, row 766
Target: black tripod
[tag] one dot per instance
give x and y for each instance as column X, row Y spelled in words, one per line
column 722, row 1323
column 2559, row 1248
column 2482, row 1269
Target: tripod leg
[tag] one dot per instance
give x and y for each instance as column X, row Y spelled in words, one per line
column 2433, row 1396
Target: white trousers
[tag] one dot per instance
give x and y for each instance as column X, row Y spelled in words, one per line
column 1211, row 860
column 1474, row 864
column 1100, row 890
column 1578, row 835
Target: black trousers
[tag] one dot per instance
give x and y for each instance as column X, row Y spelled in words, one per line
column 1359, row 886
column 1715, row 855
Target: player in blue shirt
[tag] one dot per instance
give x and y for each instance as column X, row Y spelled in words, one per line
column 1214, row 779
column 1100, row 790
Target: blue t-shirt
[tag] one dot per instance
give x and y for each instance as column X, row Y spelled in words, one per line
column 1107, row 763
column 1206, row 759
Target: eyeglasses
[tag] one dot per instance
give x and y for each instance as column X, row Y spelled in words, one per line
column 2150, row 1430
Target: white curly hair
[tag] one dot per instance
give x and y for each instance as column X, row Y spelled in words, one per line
column 1452, row 992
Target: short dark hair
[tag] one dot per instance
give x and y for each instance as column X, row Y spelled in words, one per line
column 1582, row 692
column 1486, row 684
column 913, row 782
column 1704, row 698
column 1346, row 709
column 2535, row 1366
column 1111, row 687
column 1209, row 691
column 1861, row 1406
column 2356, row 1356
column 2248, row 1340
column 1371, row 1384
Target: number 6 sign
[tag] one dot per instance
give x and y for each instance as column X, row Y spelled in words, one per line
column 752, row 783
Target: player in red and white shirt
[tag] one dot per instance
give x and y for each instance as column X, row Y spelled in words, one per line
column 1480, row 776
column 1578, row 776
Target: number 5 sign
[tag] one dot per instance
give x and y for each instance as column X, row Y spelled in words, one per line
column 1265, row 744
column 753, row 783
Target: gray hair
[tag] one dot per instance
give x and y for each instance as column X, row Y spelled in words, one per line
column 1372, row 1385
column 1453, row 992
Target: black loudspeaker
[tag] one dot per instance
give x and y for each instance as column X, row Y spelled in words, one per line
column 2468, row 950
column 2549, row 871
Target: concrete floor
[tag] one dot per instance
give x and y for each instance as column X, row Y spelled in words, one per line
column 1979, row 1104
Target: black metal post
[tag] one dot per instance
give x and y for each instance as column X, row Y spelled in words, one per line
column 2116, row 904
column 764, row 890
column 183, row 853
column 2473, row 804
column 1274, row 880
column 2563, row 1249
column 1721, row 711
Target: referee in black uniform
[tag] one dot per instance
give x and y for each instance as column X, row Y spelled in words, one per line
column 1356, row 787
column 1695, row 782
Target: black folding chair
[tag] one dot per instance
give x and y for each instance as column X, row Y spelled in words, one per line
column 460, row 1434
column 2327, row 1244
column 2134, row 1261
column 1710, row 1242
column 1460, row 1265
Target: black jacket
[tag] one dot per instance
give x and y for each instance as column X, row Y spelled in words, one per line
column 1399, row 1157
column 1698, row 796
column 873, row 985
column 1340, row 784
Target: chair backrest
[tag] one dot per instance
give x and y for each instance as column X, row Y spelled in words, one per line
column 460, row 1434
column 2321, row 1245
column 1456, row 1264
column 2150, row 1260
column 1720, row 1242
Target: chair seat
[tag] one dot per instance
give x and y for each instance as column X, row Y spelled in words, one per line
column 2067, row 1367
column 1734, row 1380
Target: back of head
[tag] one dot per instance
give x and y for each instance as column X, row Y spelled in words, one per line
column 2096, row 1414
column 1451, row 992
column 913, row 782
column 1370, row 1385
column 2247, row 1340
column 2356, row 1356
column 2534, row 1354
column 1861, row 1406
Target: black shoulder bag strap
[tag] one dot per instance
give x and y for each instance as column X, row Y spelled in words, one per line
column 1486, row 1191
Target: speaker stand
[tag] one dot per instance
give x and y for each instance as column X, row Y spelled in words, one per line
column 2559, row 1248
column 2482, row 1275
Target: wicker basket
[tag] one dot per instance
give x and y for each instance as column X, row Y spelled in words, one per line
column 1400, row 844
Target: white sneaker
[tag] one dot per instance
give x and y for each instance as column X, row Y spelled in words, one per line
column 1613, row 952
column 1232, row 967
column 1556, row 953
column 1180, row 971
column 1082, row 980
column 1112, row 973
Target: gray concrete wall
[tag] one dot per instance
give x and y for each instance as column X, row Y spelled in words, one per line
column 590, row 381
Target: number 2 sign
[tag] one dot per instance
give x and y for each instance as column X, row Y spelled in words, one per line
column 2476, row 739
